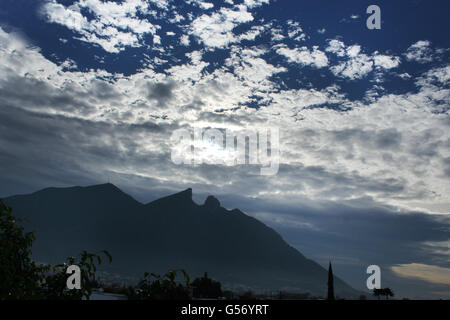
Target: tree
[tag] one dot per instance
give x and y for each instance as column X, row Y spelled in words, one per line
column 55, row 281
column 22, row 278
column 247, row 295
column 377, row 293
column 19, row 275
column 387, row 292
column 205, row 287
column 330, row 283
column 156, row 287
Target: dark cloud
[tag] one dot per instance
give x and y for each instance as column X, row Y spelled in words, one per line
column 104, row 91
column 38, row 150
column 35, row 94
column 383, row 139
column 447, row 166
column 162, row 92
column 388, row 139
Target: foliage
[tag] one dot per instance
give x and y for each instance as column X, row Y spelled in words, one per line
column 205, row 287
column 247, row 295
column 55, row 283
column 22, row 278
column 156, row 287
column 387, row 292
column 19, row 275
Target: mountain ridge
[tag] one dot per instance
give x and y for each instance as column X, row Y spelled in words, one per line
column 169, row 232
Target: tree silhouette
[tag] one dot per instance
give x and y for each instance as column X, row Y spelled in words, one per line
column 205, row 287
column 156, row 287
column 330, row 283
column 387, row 292
column 22, row 278
column 19, row 275
column 377, row 292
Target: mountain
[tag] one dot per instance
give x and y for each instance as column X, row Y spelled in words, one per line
column 169, row 233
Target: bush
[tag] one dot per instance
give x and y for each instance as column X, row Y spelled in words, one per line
column 22, row 278
column 155, row 287
column 205, row 287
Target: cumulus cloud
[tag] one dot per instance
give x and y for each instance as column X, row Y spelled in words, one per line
column 254, row 32
column 337, row 47
column 420, row 52
column 114, row 26
column 357, row 65
column 253, row 70
column 216, row 30
column 184, row 40
column 295, row 31
column 255, row 3
column 304, row 56
column 385, row 61
column 438, row 75
column 201, row 4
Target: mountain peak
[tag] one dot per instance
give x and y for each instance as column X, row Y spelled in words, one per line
column 106, row 185
column 104, row 188
column 211, row 202
column 185, row 194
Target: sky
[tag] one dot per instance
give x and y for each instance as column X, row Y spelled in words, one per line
column 92, row 91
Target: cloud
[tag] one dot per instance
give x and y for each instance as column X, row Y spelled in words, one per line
column 337, row 47
column 357, row 65
column 304, row 56
column 420, row 52
column 372, row 149
column 277, row 34
column 72, row 19
column 385, row 61
column 255, row 3
column 253, row 33
column 295, row 31
column 425, row 272
column 252, row 70
column 439, row 76
column 184, row 40
column 215, row 30
column 161, row 92
column 201, row 4
column 114, row 26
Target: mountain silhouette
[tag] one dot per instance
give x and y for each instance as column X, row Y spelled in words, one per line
column 172, row 232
